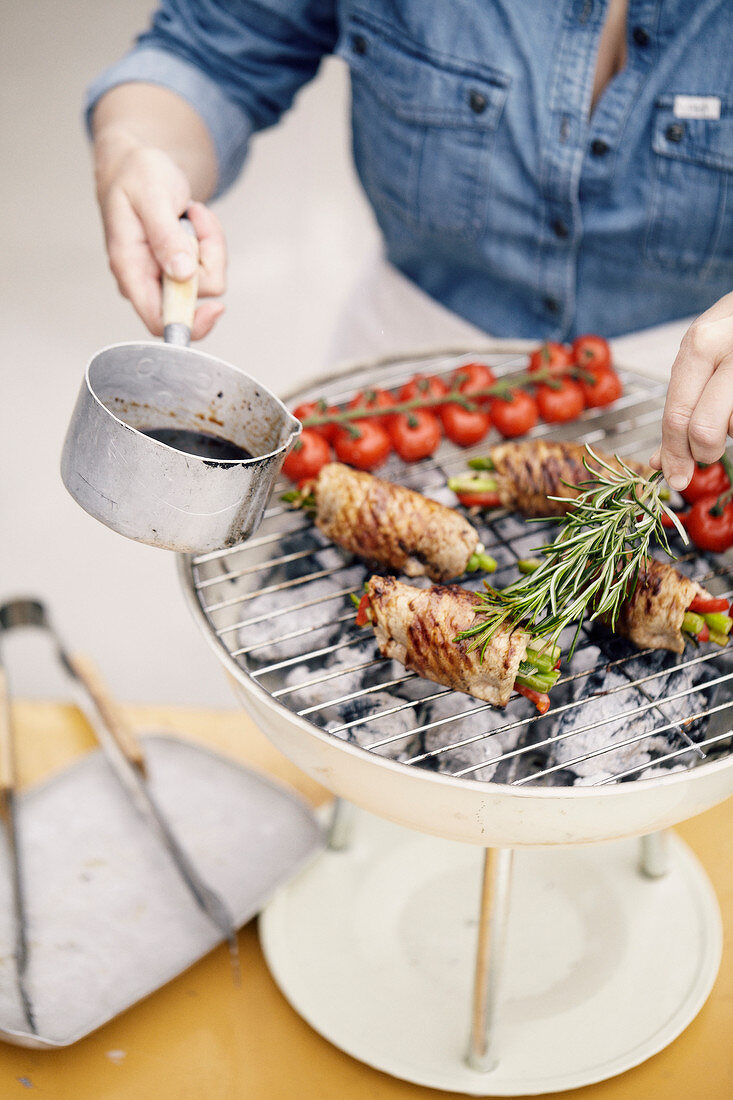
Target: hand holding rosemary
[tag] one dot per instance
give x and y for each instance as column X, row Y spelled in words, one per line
column 592, row 565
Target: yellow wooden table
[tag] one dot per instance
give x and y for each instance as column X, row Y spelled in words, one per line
column 199, row 1037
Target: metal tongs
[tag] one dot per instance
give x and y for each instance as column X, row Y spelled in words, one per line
column 8, row 810
column 124, row 752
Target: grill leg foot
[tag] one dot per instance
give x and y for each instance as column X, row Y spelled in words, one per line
column 341, row 829
column 654, row 854
column 493, row 915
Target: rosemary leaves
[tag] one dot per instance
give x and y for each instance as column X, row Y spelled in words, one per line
column 593, row 563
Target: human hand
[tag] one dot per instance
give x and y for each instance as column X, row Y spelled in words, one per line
column 698, row 412
column 142, row 194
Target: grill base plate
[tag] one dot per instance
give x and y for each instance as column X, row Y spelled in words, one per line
column 374, row 947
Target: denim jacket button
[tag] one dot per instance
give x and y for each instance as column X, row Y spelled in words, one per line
column 359, row 43
column 675, row 132
column 640, row 36
column 560, row 229
column 599, row 148
column 477, row 101
column 551, row 305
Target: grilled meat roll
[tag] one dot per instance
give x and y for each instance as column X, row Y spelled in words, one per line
column 390, row 525
column 418, row 627
column 527, row 473
column 652, row 616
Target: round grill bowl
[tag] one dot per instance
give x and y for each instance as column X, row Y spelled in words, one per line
column 633, row 742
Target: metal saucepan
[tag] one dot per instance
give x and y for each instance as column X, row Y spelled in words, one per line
column 155, row 490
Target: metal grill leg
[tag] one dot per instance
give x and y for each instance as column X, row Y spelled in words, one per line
column 654, row 854
column 492, row 927
column 341, row 829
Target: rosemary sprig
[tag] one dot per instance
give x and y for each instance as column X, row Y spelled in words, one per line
column 592, row 565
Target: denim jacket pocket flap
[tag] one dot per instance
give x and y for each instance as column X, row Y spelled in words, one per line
column 707, row 142
column 420, row 86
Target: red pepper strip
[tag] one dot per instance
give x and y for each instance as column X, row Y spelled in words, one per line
column 362, row 611
column 702, row 604
column 479, row 500
column 704, row 635
column 540, row 698
column 362, row 616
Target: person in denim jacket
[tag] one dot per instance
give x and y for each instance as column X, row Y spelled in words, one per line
column 543, row 168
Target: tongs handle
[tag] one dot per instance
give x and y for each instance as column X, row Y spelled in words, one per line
column 111, row 714
column 179, row 299
column 7, row 753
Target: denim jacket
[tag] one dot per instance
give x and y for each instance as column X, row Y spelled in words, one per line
column 495, row 187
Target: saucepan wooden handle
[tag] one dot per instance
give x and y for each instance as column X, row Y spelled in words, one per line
column 109, row 711
column 180, row 296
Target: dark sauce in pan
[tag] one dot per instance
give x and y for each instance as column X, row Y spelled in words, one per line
column 202, row 444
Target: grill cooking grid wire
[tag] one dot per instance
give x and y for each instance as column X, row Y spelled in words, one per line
column 279, row 613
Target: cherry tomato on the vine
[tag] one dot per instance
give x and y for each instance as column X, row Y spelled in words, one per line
column 706, row 481
column 373, row 399
column 592, row 351
column 318, row 408
column 515, row 416
column 708, row 531
column 551, row 356
column 464, row 427
column 420, row 385
column 472, row 377
column 367, row 451
column 307, row 455
column 559, row 405
column 415, row 435
column 605, row 387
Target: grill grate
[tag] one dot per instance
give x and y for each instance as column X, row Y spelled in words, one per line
column 280, row 607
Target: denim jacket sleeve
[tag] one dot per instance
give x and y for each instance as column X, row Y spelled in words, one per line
column 239, row 64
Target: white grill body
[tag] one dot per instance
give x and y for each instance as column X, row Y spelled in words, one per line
column 633, row 742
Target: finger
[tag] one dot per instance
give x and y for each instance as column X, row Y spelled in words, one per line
column 691, row 372
column 132, row 263
column 710, row 420
column 159, row 213
column 205, row 318
column 212, row 250
column 656, row 459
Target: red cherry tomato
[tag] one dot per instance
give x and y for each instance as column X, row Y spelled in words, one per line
column 706, row 481
column 306, row 457
column 464, row 427
column 516, row 416
column 472, row 377
column 551, row 356
column 605, row 388
column 367, row 451
column 592, row 351
column 318, row 408
column 373, row 399
column 423, row 386
column 415, row 435
column 561, row 404
column 707, row 531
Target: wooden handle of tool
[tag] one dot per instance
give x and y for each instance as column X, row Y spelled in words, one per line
column 180, row 296
column 109, row 711
column 7, row 756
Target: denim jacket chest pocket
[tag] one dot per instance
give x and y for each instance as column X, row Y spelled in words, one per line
column 423, row 128
column 691, row 217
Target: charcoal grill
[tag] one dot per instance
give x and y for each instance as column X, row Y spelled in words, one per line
column 634, row 742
